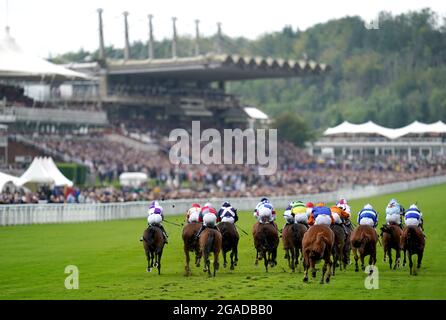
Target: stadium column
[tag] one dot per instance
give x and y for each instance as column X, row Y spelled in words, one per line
column 126, row 35
column 197, row 38
column 174, row 39
column 101, row 37
column 151, row 44
column 409, row 153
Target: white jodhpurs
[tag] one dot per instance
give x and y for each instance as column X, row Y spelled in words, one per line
column 154, row 219
column 412, row 222
column 367, row 222
column 336, row 218
column 323, row 219
column 194, row 217
column 393, row 218
column 209, row 220
column 228, row 219
column 301, row 218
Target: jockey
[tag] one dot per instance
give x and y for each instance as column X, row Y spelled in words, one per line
column 300, row 212
column 227, row 213
column 193, row 214
column 413, row 217
column 321, row 214
column 262, row 203
column 342, row 203
column 209, row 217
column 265, row 213
column 393, row 213
column 289, row 217
column 339, row 217
column 368, row 216
column 155, row 217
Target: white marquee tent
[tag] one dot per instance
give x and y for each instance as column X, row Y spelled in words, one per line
column 17, row 64
column 6, row 179
column 44, row 171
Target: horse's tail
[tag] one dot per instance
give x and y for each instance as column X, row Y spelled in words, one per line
column 209, row 242
column 411, row 238
column 360, row 243
column 150, row 236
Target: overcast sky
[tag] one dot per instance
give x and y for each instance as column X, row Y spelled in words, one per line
column 45, row 27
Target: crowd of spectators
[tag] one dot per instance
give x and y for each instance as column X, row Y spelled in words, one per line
column 297, row 173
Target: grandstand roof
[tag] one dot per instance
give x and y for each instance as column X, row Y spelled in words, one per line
column 217, row 67
column 373, row 128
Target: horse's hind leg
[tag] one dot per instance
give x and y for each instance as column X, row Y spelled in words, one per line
column 216, row 264
column 397, row 259
column 187, row 266
column 420, row 258
column 198, row 255
column 224, row 259
column 232, row 259
column 306, row 265
column 235, row 250
column 389, row 252
column 158, row 262
column 362, row 257
column 265, row 260
column 404, row 258
column 412, row 269
column 355, row 255
column 293, row 257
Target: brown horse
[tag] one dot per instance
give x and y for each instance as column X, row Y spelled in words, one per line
column 339, row 247
column 317, row 244
column 412, row 240
column 363, row 240
column 266, row 241
column 191, row 244
column 391, row 235
column 210, row 242
column 153, row 242
column 292, row 236
column 230, row 238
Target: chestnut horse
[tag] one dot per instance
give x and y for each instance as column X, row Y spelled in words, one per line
column 153, row 243
column 292, row 236
column 363, row 240
column 412, row 240
column 266, row 241
column 391, row 235
column 191, row 244
column 339, row 247
column 230, row 238
column 317, row 245
column 210, row 242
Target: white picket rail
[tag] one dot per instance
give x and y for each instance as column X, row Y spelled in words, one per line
column 64, row 213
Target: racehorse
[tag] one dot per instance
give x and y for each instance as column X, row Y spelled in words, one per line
column 412, row 240
column 391, row 235
column 210, row 242
column 191, row 244
column 230, row 238
column 363, row 240
column 339, row 247
column 153, row 242
column 317, row 244
column 266, row 241
column 292, row 236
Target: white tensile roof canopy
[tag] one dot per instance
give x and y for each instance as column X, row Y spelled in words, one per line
column 17, row 64
column 373, row 128
column 44, row 171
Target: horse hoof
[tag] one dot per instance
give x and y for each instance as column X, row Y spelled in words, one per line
column 149, row 269
column 321, row 282
column 232, row 267
column 224, row 265
column 356, row 269
column 305, row 280
column 327, row 280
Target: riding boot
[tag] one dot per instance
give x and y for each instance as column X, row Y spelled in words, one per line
column 200, row 231
column 401, row 226
column 164, row 233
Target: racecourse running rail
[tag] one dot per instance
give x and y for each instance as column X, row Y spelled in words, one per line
column 65, row 213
